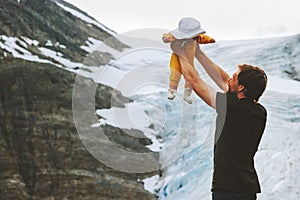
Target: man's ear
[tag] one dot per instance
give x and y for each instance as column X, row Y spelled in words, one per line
column 241, row 88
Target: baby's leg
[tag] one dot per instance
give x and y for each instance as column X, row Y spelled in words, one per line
column 187, row 85
column 175, row 70
column 175, row 75
column 174, row 79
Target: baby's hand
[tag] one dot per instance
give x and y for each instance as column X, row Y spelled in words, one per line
column 167, row 38
column 205, row 39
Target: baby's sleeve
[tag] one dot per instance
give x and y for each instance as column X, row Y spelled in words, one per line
column 205, row 39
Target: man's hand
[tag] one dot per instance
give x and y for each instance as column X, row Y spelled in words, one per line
column 185, row 49
column 177, row 47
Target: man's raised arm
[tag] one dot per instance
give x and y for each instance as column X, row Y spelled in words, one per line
column 215, row 72
column 202, row 89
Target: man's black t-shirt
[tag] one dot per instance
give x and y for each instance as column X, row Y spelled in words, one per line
column 240, row 125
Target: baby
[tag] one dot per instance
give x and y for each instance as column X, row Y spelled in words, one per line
column 188, row 28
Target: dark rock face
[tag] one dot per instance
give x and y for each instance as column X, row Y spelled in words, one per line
column 41, row 155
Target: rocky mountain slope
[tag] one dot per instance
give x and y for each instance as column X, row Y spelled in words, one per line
column 41, row 155
column 52, row 25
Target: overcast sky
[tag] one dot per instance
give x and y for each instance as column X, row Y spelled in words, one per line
column 223, row 20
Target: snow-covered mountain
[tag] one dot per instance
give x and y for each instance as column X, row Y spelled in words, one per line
column 52, row 31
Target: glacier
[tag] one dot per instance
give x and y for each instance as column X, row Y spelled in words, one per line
column 183, row 133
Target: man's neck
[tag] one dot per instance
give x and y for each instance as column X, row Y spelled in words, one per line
column 241, row 95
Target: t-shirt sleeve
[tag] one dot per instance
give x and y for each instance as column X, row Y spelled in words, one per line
column 226, row 101
column 221, row 102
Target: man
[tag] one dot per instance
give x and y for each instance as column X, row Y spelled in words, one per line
column 240, row 121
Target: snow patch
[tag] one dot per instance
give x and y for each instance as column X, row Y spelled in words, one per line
column 30, row 41
column 10, row 45
column 85, row 18
column 58, row 56
column 91, row 44
column 282, row 85
column 152, row 184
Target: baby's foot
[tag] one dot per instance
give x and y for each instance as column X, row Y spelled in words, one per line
column 171, row 94
column 187, row 95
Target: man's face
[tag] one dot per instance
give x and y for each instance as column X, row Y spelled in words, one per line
column 233, row 83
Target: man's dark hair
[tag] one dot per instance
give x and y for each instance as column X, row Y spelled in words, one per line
column 253, row 79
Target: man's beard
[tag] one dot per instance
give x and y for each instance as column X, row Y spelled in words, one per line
column 230, row 92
